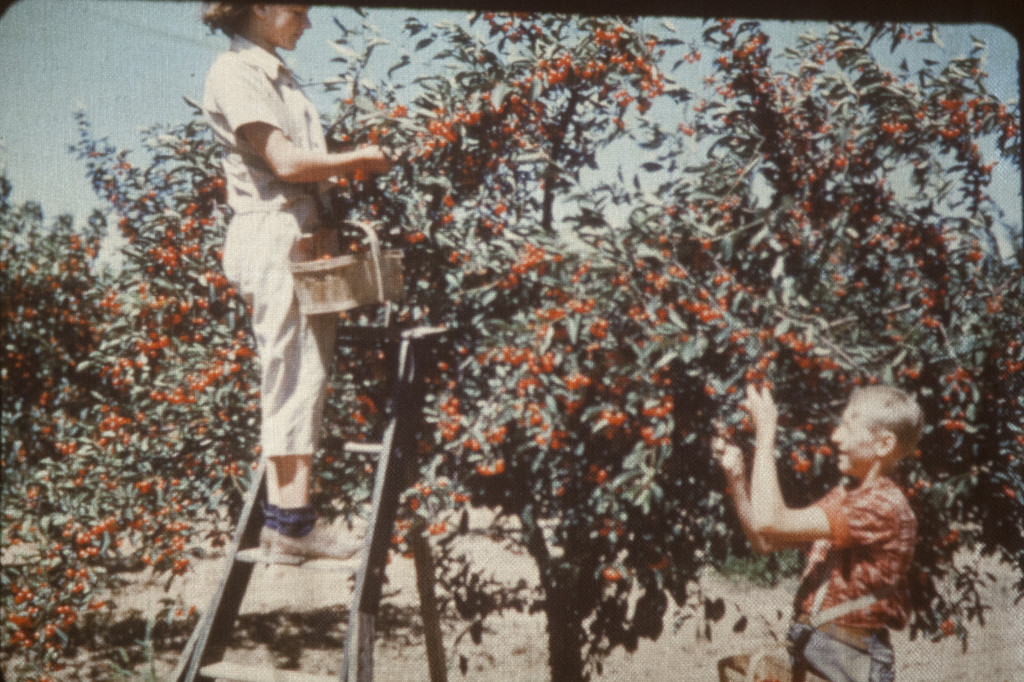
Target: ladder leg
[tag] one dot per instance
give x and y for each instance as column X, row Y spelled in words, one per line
column 396, row 453
column 209, row 639
column 425, row 578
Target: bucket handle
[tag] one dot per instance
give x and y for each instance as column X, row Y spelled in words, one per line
column 374, row 240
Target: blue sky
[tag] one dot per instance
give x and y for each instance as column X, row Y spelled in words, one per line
column 130, row 62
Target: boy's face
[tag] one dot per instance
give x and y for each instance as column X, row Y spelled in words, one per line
column 860, row 446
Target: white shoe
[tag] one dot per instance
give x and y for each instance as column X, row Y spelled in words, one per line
column 323, row 542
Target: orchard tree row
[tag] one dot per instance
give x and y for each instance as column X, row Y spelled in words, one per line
column 805, row 215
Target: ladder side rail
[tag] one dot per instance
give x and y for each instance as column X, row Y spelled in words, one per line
column 420, row 545
column 367, row 566
column 209, row 638
column 408, row 403
column 383, row 509
column 397, row 448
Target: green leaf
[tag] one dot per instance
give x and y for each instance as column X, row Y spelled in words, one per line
column 345, row 52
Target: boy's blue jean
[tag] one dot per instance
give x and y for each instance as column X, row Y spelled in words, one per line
column 840, row 662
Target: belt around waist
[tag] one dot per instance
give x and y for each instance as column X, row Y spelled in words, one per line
column 856, row 637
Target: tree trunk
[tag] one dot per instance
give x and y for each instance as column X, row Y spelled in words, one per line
column 565, row 629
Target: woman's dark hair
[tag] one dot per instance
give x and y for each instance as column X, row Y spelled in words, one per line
column 227, row 17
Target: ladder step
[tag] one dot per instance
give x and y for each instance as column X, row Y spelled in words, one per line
column 256, row 555
column 364, row 448
column 244, row 673
column 356, row 334
column 423, row 331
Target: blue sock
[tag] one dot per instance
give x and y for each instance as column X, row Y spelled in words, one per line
column 270, row 516
column 297, row 522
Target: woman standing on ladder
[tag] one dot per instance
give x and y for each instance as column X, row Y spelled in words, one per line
column 275, row 159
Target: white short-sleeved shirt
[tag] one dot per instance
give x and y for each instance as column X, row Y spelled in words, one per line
column 248, row 84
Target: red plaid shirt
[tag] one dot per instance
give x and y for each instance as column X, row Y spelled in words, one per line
column 873, row 536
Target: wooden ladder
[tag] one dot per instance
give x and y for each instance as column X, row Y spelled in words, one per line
column 202, row 658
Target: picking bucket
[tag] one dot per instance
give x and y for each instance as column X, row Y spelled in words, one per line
column 344, row 282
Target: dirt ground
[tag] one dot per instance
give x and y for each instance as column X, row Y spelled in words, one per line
column 296, row 619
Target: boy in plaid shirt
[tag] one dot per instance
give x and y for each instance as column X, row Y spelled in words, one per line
column 861, row 534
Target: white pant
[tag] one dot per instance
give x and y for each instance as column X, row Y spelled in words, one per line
column 295, row 350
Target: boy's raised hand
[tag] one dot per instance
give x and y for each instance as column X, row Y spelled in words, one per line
column 762, row 408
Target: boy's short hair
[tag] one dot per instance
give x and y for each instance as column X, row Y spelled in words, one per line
column 894, row 410
column 227, row 17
